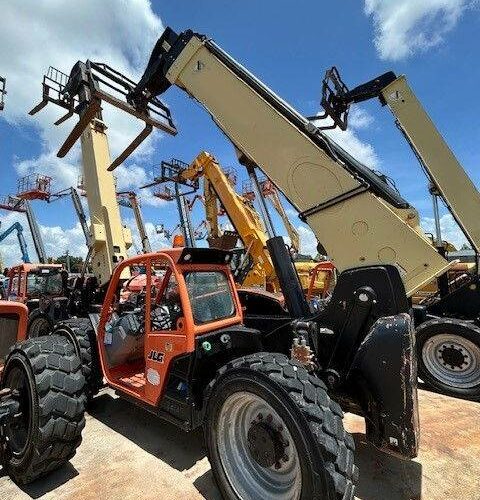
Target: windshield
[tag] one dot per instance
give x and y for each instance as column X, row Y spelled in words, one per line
column 44, row 282
column 210, row 296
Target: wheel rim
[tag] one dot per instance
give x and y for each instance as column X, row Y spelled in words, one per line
column 256, row 449
column 453, row 360
column 17, row 431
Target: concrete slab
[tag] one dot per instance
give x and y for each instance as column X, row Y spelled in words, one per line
column 129, row 454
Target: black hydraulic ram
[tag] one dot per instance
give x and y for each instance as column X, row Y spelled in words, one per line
column 288, row 278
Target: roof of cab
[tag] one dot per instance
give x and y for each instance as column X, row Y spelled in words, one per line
column 33, row 266
column 188, row 255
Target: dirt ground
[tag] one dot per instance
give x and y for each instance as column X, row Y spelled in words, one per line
column 129, row 454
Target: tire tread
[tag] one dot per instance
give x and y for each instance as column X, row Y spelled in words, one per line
column 59, row 385
column 324, row 416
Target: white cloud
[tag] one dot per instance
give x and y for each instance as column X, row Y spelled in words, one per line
column 35, row 35
column 349, row 140
column 359, row 118
column 64, row 172
column 308, row 241
column 449, row 229
column 55, row 238
column 362, row 151
column 403, row 27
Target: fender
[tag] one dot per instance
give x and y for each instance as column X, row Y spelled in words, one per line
column 384, row 371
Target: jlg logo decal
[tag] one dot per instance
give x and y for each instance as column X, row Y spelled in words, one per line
column 156, row 356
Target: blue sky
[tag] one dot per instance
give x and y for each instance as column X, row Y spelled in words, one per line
column 287, row 45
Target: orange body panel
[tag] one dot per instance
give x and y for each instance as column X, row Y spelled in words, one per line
column 20, row 310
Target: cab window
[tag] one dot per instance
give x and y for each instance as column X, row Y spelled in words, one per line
column 210, row 296
column 166, row 304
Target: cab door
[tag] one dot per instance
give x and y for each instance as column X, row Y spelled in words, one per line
column 165, row 325
column 15, row 285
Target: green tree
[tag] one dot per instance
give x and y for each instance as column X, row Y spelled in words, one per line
column 76, row 263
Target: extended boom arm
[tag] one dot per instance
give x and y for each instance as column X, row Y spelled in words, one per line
column 16, row 226
column 131, row 201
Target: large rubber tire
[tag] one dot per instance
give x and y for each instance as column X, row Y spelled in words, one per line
column 52, row 403
column 324, row 449
column 39, row 324
column 448, row 352
column 80, row 332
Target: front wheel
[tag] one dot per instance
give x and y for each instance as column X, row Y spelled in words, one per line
column 448, row 352
column 44, row 376
column 272, row 432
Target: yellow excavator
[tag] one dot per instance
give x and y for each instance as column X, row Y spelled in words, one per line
column 255, row 267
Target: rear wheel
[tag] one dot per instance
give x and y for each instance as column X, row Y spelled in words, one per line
column 44, row 375
column 80, row 333
column 272, row 432
column 39, row 324
column 449, row 356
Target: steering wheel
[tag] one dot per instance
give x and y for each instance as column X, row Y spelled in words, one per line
column 160, row 318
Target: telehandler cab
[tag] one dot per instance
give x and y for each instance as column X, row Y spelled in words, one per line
column 41, row 398
column 180, row 349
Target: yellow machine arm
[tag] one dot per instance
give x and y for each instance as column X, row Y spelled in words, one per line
column 211, row 210
column 270, row 191
column 110, row 239
column 82, row 93
column 241, row 214
column 355, row 214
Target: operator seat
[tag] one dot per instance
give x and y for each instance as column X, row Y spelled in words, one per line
column 125, row 337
